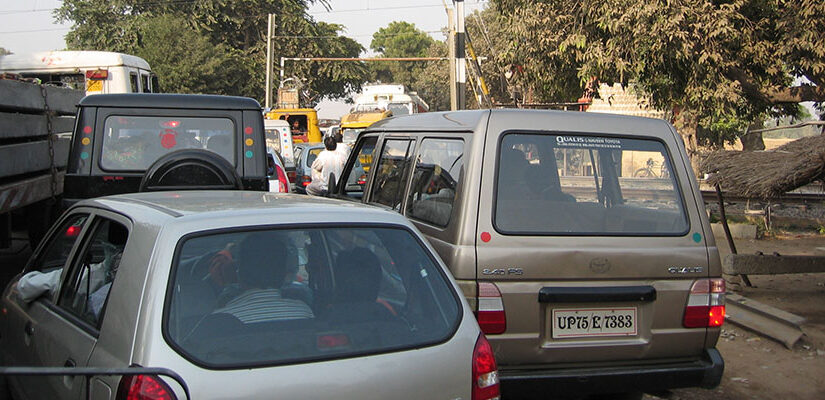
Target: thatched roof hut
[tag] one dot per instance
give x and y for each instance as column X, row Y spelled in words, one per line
column 767, row 174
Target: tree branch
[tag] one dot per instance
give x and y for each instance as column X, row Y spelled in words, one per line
column 776, row 94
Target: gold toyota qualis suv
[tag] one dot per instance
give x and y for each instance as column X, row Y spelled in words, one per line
column 586, row 277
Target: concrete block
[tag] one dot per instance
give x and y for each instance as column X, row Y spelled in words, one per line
column 738, row 231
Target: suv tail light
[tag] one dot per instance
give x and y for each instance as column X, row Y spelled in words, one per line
column 491, row 317
column 144, row 387
column 485, row 372
column 283, row 183
column 706, row 304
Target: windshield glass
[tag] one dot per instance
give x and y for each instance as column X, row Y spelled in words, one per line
column 566, row 184
column 266, row 297
column 135, row 142
column 398, row 108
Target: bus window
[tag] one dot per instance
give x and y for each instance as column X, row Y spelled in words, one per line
column 133, row 82
column 145, row 82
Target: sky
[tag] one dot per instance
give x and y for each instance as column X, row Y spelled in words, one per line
column 28, row 25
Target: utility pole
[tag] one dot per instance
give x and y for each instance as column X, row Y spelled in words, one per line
column 268, row 97
column 451, row 47
column 461, row 69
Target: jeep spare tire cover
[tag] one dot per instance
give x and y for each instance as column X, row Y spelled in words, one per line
column 190, row 169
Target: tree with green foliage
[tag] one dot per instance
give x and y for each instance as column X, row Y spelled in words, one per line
column 432, row 80
column 400, row 39
column 720, row 64
column 236, row 30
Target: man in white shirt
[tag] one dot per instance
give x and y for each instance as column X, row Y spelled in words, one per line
column 328, row 161
column 341, row 148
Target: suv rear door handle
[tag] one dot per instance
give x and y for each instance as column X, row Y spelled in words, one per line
column 29, row 328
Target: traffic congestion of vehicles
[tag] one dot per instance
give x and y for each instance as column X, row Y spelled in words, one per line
column 489, row 253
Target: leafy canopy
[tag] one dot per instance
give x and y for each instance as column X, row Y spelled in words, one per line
column 725, row 62
column 219, row 40
column 401, row 39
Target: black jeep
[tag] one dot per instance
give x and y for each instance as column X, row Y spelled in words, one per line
column 144, row 142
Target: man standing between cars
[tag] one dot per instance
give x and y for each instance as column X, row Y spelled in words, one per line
column 328, row 161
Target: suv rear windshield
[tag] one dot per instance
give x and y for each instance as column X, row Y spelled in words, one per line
column 133, row 143
column 266, row 297
column 594, row 185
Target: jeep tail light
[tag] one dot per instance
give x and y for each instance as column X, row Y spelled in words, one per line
column 283, row 183
column 491, row 317
column 144, row 387
column 706, row 304
column 485, row 373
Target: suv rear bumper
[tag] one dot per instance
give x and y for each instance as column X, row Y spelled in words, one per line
column 705, row 372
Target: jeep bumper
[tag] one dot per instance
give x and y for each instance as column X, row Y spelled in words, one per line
column 522, row 384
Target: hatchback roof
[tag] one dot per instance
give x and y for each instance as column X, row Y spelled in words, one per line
column 194, row 202
column 156, row 100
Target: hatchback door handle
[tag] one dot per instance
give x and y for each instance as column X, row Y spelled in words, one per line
column 29, row 328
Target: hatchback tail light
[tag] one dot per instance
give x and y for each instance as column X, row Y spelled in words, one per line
column 144, row 387
column 706, row 304
column 283, row 183
column 485, row 372
column 491, row 317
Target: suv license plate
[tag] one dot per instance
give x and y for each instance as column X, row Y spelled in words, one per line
column 588, row 322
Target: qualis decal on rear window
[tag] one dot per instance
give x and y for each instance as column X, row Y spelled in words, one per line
column 588, row 142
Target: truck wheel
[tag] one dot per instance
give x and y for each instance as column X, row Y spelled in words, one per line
column 190, row 169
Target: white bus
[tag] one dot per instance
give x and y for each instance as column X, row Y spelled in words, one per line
column 392, row 97
column 95, row 72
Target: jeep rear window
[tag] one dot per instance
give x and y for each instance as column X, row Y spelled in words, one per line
column 133, row 143
column 586, row 185
column 243, row 299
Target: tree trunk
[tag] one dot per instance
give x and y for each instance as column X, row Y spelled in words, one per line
column 753, row 141
column 687, row 125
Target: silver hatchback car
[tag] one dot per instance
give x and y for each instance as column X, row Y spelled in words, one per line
column 245, row 295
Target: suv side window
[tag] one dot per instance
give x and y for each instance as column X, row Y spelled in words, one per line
column 357, row 175
column 87, row 287
column 435, row 180
column 388, row 187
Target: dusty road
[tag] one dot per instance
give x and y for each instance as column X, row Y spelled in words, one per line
column 757, row 367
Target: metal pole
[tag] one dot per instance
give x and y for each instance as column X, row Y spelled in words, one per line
column 461, row 69
column 268, row 97
column 451, row 47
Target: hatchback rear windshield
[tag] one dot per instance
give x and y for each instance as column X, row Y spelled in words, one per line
column 133, row 143
column 268, row 297
column 595, row 185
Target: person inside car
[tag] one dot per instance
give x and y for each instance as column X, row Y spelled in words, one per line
column 261, row 273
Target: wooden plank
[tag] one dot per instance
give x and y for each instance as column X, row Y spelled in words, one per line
column 21, row 125
column 753, row 264
column 23, row 158
column 15, row 126
column 28, row 191
column 63, row 101
column 27, row 97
